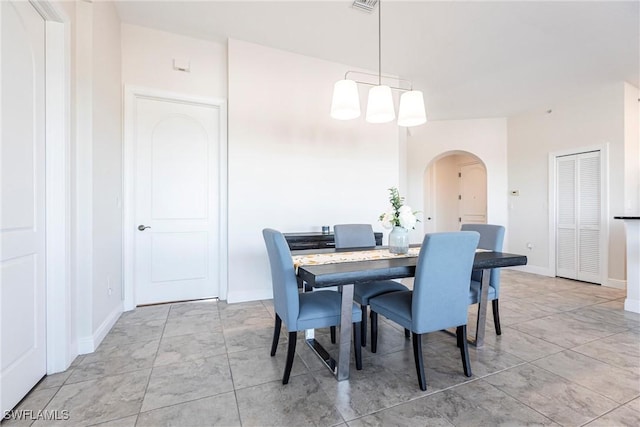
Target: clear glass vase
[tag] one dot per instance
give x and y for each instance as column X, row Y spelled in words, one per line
column 399, row 240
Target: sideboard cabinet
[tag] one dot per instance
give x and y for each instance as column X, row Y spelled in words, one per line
column 316, row 240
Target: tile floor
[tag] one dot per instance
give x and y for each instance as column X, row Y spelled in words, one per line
column 569, row 355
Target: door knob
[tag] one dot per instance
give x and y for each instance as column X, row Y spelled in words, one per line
column 143, row 227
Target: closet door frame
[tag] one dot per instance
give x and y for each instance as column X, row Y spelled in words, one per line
column 604, row 206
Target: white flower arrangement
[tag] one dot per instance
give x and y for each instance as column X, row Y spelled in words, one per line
column 400, row 215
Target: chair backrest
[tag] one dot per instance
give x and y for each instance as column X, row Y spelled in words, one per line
column 354, row 236
column 441, row 286
column 286, row 300
column 491, row 238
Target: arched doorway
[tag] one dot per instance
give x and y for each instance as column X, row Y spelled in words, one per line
column 455, row 192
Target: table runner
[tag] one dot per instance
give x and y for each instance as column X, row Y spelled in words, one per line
column 353, row 256
column 337, row 257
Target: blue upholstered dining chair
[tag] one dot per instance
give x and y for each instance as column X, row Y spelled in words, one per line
column 439, row 297
column 361, row 236
column 299, row 311
column 492, row 238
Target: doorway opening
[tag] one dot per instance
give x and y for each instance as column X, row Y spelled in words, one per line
column 455, row 192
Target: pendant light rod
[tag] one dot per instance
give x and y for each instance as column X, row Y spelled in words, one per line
column 379, row 43
column 386, row 76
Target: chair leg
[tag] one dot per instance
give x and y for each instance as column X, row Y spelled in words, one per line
column 332, row 329
column 496, row 316
column 357, row 346
column 291, row 352
column 363, row 325
column 374, row 331
column 461, row 333
column 417, row 355
column 276, row 335
column 407, row 333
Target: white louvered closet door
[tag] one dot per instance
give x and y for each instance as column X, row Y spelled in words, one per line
column 578, row 217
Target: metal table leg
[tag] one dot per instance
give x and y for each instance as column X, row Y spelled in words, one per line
column 344, row 353
column 482, row 308
column 339, row 368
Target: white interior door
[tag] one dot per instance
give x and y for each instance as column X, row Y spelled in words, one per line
column 473, row 194
column 578, row 216
column 22, row 212
column 176, row 198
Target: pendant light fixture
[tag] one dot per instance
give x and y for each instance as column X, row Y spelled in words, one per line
column 345, row 104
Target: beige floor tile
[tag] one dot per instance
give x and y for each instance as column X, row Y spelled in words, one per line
column 622, row 416
column 183, row 348
column 551, row 395
column 114, row 360
column 187, row 325
column 565, row 330
column 621, row 350
column 220, row 410
column 256, row 366
column 99, row 400
column 211, row 366
column 615, row 383
column 302, row 402
column 27, row 411
column 480, row 404
column 194, row 308
column 181, row 382
column 520, row 344
column 54, row 380
column 122, row 422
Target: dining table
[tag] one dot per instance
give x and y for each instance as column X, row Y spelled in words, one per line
column 343, row 268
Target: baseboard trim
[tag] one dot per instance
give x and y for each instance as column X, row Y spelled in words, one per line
column 615, row 283
column 245, row 296
column 85, row 345
column 534, row 269
column 542, row 271
column 88, row 344
column 632, row 305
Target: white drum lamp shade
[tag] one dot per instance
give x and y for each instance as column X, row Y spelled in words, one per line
column 411, row 111
column 345, row 104
column 380, row 105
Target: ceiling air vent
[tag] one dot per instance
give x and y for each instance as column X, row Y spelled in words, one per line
column 366, row 5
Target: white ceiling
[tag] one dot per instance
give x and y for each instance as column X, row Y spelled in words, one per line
column 472, row 59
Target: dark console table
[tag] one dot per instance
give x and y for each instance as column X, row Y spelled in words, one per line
column 316, row 240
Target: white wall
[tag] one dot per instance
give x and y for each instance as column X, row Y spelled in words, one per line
column 147, row 61
column 107, row 167
column 484, row 138
column 96, row 170
column 597, row 118
column 292, row 167
column 82, row 163
column 631, row 150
